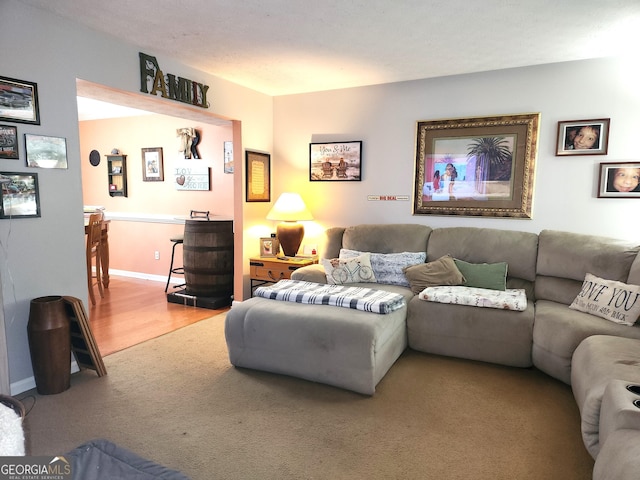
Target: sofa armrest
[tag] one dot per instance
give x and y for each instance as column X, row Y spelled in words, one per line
column 310, row 273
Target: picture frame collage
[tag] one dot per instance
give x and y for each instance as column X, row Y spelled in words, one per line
column 19, row 104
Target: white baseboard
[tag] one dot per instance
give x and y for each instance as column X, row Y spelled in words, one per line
column 143, row 276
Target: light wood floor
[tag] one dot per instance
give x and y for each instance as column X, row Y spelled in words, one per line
column 133, row 311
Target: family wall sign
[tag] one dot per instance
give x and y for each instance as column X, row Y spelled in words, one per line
column 153, row 81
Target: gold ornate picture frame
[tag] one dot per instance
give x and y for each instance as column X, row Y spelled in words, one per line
column 477, row 166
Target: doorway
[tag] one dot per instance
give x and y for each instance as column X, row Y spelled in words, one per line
column 160, row 107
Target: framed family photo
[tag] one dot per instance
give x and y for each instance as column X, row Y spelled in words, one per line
column 478, row 166
column 19, row 101
column 20, row 196
column 269, row 247
column 337, row 162
column 583, row 137
column 152, row 165
column 619, row 180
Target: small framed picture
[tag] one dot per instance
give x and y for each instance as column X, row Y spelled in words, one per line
column 619, row 180
column 583, row 137
column 8, row 142
column 152, row 166
column 269, row 247
column 20, row 195
column 45, row 152
column 228, row 157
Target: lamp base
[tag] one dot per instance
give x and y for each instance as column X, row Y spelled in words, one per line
column 290, row 235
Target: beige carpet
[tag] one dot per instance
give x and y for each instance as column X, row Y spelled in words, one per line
column 177, row 400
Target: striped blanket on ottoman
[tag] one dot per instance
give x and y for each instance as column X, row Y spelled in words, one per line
column 365, row 299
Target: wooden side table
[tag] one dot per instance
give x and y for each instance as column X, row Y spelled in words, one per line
column 264, row 270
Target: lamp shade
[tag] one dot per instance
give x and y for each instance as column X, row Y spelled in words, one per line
column 289, row 208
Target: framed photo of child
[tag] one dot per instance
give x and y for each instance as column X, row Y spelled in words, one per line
column 619, row 180
column 583, row 137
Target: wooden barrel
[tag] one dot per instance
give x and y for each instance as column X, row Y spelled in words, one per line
column 208, row 258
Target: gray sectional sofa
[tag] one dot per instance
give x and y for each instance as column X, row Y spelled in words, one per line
column 353, row 349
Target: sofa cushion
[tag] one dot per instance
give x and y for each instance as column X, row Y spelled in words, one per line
column 557, row 332
column 388, row 267
column 442, row 271
column 613, row 301
column 386, row 238
column 349, row 270
column 483, row 275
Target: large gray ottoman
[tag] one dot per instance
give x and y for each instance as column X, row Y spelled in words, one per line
column 337, row 346
column 597, row 361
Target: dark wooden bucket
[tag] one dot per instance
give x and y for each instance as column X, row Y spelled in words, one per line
column 208, row 258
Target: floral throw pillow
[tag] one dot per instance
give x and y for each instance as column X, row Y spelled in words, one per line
column 349, row 270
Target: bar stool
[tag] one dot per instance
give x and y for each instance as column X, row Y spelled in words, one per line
column 177, row 240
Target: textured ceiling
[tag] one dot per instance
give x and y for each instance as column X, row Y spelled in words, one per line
column 283, row 47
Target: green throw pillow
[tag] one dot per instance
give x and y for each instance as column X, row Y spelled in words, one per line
column 484, row 275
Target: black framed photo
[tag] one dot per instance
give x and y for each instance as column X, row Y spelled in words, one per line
column 619, row 180
column 335, row 162
column 583, row 137
column 152, row 165
column 258, row 176
column 8, row 142
column 19, row 101
column 45, row 152
column 20, row 195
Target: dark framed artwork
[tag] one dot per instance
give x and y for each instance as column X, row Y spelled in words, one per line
column 19, row 101
column 45, row 152
column 478, row 166
column 619, row 180
column 8, row 142
column 228, row 157
column 258, row 180
column 335, row 161
column 583, row 137
column 152, row 165
column 20, row 195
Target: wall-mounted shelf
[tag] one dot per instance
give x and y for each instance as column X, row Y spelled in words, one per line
column 117, row 170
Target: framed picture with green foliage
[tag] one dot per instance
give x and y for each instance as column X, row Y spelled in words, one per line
column 478, row 166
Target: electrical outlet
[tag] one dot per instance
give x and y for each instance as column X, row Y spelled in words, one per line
column 156, row 255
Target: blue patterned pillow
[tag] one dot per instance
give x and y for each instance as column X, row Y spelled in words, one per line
column 388, row 267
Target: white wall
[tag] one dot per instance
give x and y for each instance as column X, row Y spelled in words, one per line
column 384, row 117
column 45, row 256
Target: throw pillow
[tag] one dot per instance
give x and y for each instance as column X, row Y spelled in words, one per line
column 608, row 299
column 388, row 267
column 483, row 275
column 442, row 271
column 349, row 270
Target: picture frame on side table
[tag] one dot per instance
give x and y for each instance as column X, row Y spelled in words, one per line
column 619, row 180
column 258, row 181
column 152, row 165
column 269, row 247
column 43, row 151
column 583, row 137
column 477, row 166
column 335, row 162
column 20, row 195
column 19, row 101
column 8, row 142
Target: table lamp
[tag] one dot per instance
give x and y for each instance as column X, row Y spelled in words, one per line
column 289, row 208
